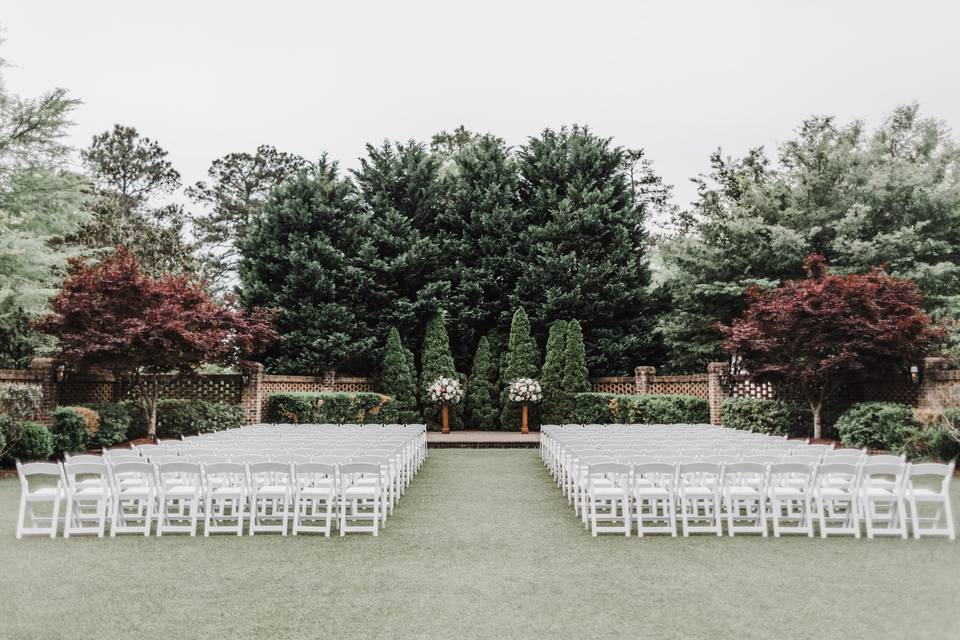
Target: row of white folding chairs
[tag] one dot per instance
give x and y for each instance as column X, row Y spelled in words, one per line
column 132, row 494
column 887, row 498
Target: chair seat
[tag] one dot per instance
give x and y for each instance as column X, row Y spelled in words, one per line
column 608, row 492
column 879, row 492
column 696, row 492
column 360, row 492
column 786, row 492
column 924, row 494
column 138, row 491
column 90, row 492
column 182, row 491
column 652, row 492
column 739, row 492
column 46, row 493
column 227, row 492
column 833, row 492
column 316, row 491
column 272, row 490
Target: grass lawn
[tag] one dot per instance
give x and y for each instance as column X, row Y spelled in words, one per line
column 482, row 546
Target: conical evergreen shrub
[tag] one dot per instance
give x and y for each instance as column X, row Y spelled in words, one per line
column 575, row 373
column 481, row 404
column 436, row 360
column 521, row 361
column 555, row 399
column 396, row 379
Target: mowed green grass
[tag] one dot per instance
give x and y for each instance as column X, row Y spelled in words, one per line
column 482, row 546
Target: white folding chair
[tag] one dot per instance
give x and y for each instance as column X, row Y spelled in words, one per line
column 225, row 497
column 790, row 491
column 315, row 498
column 271, row 495
column 88, row 499
column 941, row 522
column 134, row 497
column 655, row 497
column 836, row 491
column 360, row 494
column 744, row 492
column 180, row 497
column 40, row 483
column 882, row 498
column 608, row 495
column 698, row 491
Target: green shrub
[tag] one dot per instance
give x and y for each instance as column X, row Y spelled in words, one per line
column 34, row 442
column 877, row 425
column 114, row 422
column 179, row 417
column 69, row 430
column 603, row 408
column 20, row 402
column 361, row 408
column 764, row 416
column 938, row 439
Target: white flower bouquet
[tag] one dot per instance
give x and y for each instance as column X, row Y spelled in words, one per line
column 446, row 391
column 525, row 390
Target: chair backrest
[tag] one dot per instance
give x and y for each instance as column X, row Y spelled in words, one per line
column 183, row 471
column 838, row 475
column 659, row 474
column 41, row 470
column 763, row 458
column 123, row 469
column 603, row 468
column 744, row 474
column 787, row 474
column 896, row 470
column 718, row 459
column 233, row 473
column 886, row 458
column 698, row 472
column 83, row 458
column 934, row 470
column 74, row 469
column 364, row 468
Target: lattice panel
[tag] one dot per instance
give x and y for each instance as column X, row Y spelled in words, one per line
column 614, row 384
column 681, row 386
column 80, row 391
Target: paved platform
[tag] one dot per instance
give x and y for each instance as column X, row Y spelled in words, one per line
column 472, row 439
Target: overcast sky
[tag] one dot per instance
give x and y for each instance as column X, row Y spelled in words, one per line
column 676, row 78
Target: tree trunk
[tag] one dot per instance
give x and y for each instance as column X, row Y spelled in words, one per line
column 817, row 408
column 149, row 398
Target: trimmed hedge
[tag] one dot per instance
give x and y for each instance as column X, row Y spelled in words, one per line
column 34, row 442
column 605, row 408
column 336, row 408
column 114, row 422
column 764, row 416
column 177, row 418
column 877, row 425
column 938, row 440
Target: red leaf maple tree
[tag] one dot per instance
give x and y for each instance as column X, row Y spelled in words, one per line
column 829, row 329
column 112, row 317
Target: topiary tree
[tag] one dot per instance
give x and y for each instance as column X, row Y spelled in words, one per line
column 554, row 405
column 481, row 404
column 575, row 373
column 436, row 360
column 397, row 381
column 520, row 361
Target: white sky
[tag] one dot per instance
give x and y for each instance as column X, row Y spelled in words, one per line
column 677, row 78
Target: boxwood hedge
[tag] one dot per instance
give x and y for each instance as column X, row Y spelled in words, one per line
column 332, row 407
column 605, row 408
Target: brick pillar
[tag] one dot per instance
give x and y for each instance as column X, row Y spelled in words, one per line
column 43, row 372
column 643, row 376
column 328, row 380
column 250, row 394
column 715, row 372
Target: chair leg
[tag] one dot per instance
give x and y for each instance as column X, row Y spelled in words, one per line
column 22, row 514
column 68, row 517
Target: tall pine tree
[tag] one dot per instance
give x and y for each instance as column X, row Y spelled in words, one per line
column 396, row 379
column 481, row 404
column 555, row 398
column 436, row 360
column 520, row 361
column 575, row 374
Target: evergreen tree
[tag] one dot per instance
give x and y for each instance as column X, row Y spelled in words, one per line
column 587, row 202
column 555, row 400
column 436, row 360
column 306, row 256
column 481, row 406
column 521, row 361
column 575, row 374
column 396, row 379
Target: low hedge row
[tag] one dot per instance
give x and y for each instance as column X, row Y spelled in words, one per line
column 894, row 427
column 335, row 408
column 177, row 418
column 773, row 417
column 606, row 408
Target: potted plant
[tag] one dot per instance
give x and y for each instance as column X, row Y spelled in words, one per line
column 445, row 392
column 525, row 391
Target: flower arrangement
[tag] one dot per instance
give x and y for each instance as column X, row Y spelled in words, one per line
column 446, row 391
column 525, row 390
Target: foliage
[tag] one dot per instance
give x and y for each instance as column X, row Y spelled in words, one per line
column 877, row 425
column 115, row 422
column 481, row 405
column 817, row 332
column 178, row 417
column 574, row 361
column 858, row 197
column 112, row 317
column 605, row 408
column 70, row 431
column 18, row 341
column 397, row 380
column 34, row 442
column 521, row 360
column 19, row 401
column 236, row 189
column 309, row 237
column 41, row 200
column 774, row 417
column 436, row 361
column 557, row 403
column 129, row 173
column 331, row 408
